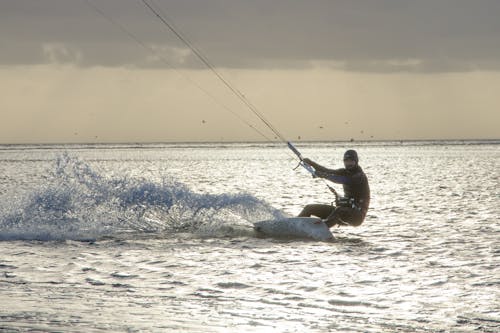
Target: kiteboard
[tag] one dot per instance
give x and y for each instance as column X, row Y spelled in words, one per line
column 295, row 227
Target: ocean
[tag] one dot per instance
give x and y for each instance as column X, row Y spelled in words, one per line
column 159, row 238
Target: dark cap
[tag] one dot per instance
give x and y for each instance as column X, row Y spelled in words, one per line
column 351, row 155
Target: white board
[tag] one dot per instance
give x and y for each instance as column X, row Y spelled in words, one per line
column 299, row 227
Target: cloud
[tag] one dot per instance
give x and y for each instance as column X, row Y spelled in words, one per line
column 363, row 35
column 49, row 103
column 58, row 53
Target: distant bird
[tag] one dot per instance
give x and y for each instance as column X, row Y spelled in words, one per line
column 203, row 121
column 321, row 127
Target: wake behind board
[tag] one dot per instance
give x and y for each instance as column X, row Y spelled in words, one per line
column 299, row 227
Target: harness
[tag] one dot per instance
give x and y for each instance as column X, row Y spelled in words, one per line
column 346, row 201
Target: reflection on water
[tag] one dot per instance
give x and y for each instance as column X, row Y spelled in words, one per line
column 425, row 260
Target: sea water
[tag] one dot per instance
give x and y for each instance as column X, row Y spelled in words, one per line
column 100, row 238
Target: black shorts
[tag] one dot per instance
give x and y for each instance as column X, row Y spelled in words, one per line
column 351, row 216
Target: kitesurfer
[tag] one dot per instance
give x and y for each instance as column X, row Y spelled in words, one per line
column 350, row 209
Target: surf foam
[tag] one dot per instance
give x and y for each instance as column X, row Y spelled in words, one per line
column 79, row 202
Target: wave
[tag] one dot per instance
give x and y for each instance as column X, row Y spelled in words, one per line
column 79, row 203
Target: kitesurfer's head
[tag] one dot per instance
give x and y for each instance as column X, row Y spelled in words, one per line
column 350, row 159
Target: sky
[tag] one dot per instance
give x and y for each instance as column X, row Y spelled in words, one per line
column 112, row 71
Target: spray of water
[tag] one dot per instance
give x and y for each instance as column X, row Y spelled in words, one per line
column 79, row 202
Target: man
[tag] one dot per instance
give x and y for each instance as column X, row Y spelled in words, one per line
column 352, row 208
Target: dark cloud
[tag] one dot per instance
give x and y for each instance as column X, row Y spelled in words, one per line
column 362, row 35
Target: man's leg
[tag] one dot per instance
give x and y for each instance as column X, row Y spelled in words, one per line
column 321, row 211
column 345, row 216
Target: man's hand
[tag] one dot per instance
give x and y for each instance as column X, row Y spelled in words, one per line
column 307, row 161
column 321, row 174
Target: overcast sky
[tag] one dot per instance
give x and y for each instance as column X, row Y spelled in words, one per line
column 452, row 46
column 373, row 35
